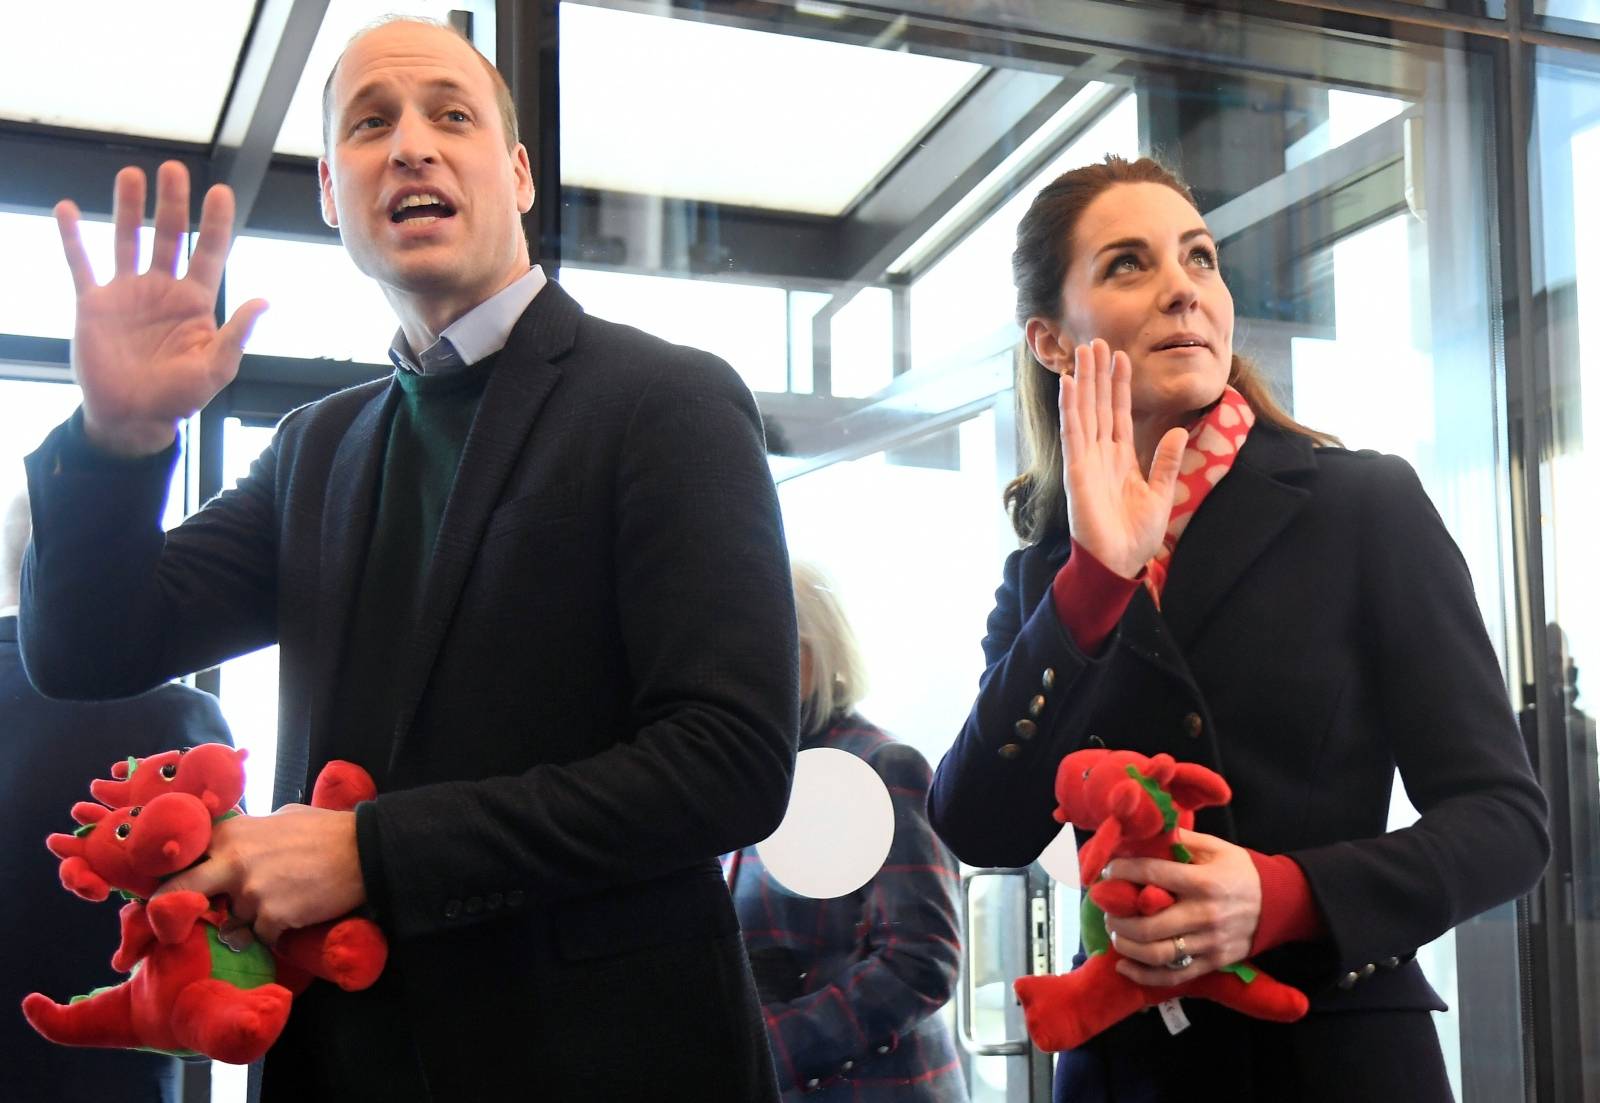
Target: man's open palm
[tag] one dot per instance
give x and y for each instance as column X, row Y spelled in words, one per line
column 146, row 348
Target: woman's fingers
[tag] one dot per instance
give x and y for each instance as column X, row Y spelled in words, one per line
column 1071, row 424
column 1164, row 466
column 1083, row 372
column 1102, row 389
column 1122, row 398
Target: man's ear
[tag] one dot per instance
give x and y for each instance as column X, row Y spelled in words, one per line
column 1050, row 345
column 330, row 213
column 524, row 174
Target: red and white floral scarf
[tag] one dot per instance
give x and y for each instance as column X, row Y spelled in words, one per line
column 1214, row 443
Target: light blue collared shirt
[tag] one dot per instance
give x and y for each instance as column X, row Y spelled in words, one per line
column 480, row 332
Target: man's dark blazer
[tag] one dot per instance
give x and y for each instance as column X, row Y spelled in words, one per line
column 1317, row 630
column 53, row 941
column 599, row 699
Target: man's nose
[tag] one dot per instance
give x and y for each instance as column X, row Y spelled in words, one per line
column 411, row 142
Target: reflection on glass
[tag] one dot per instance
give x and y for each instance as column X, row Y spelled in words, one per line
column 962, row 306
column 1567, row 283
column 766, row 110
column 745, row 325
column 320, row 303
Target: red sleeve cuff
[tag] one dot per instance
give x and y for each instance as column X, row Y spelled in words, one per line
column 1090, row 598
column 1288, row 911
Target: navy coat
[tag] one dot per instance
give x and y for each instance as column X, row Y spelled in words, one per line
column 600, row 696
column 1317, row 631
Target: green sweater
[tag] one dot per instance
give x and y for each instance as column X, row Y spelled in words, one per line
column 364, row 1045
column 426, row 436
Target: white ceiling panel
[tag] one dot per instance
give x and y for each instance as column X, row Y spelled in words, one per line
column 689, row 110
column 157, row 71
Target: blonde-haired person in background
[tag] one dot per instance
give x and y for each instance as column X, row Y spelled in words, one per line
column 850, row 986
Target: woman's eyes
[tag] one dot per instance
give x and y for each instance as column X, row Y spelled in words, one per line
column 1202, row 256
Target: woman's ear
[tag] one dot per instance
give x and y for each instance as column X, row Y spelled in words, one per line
column 1050, row 346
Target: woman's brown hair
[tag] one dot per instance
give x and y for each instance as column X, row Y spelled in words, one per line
column 1036, row 498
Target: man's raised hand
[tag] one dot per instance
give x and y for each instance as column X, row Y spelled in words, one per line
column 146, row 348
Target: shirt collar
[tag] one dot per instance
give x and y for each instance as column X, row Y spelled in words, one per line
column 479, row 333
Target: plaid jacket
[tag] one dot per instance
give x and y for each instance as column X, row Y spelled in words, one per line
column 850, row 986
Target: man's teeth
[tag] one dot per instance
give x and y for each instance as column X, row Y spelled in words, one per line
column 423, row 200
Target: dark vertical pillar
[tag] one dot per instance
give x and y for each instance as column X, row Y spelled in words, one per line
column 526, row 53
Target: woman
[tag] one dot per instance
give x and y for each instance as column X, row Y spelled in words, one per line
column 850, row 986
column 1288, row 613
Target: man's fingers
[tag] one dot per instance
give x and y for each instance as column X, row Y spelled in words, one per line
column 209, row 878
column 231, row 338
column 72, row 246
column 216, row 236
column 127, row 211
column 172, row 216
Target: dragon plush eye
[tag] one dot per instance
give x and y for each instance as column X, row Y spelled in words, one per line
column 124, row 830
column 133, row 813
column 169, row 771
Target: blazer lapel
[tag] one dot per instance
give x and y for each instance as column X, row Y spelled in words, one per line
column 1234, row 525
column 518, row 386
column 346, row 534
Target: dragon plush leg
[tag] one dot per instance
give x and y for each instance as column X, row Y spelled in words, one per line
column 1064, row 1011
column 1262, row 998
column 349, row 952
column 235, row 1025
column 103, row 1019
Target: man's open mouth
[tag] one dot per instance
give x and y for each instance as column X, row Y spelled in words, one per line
column 425, row 205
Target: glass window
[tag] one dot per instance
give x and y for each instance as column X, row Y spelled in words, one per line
column 321, row 304
column 30, row 408
column 36, row 296
column 756, row 147
column 58, row 60
column 1567, row 287
column 744, row 324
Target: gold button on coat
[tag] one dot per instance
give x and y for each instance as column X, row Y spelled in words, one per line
column 1026, row 730
column 1049, row 679
column 1193, row 725
column 1036, row 706
column 1011, row 750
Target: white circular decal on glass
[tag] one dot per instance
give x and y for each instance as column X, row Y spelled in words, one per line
column 837, row 831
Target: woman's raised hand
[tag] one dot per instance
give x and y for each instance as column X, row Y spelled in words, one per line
column 1116, row 513
column 146, row 348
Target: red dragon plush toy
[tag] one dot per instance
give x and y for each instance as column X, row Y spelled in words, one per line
column 189, row 992
column 1134, row 805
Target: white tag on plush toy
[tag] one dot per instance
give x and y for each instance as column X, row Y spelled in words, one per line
column 1172, row 1014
